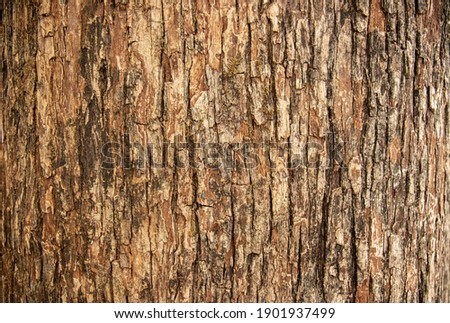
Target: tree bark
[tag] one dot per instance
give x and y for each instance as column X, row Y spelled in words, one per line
column 225, row 151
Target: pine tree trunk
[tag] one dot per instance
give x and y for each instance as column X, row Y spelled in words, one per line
column 225, row 151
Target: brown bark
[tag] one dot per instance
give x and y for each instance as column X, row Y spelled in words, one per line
column 353, row 204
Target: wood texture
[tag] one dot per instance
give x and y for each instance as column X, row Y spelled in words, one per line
column 113, row 110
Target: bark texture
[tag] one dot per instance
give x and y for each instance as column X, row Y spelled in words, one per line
column 358, row 90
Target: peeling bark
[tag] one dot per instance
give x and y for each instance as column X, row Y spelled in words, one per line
column 113, row 114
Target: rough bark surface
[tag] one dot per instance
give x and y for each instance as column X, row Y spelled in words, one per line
column 358, row 89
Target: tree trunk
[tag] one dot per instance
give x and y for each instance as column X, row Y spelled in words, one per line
column 225, row 151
